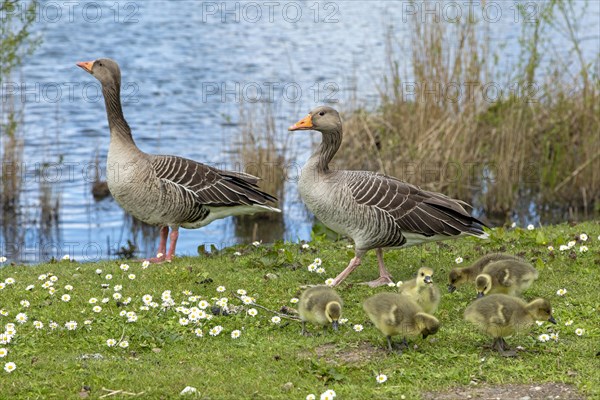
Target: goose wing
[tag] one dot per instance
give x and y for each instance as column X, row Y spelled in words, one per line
column 208, row 185
column 414, row 210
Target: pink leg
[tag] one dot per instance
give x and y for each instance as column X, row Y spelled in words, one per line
column 355, row 262
column 173, row 240
column 162, row 246
column 384, row 275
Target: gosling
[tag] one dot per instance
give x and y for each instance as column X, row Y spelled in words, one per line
column 500, row 315
column 422, row 290
column 509, row 277
column 396, row 314
column 320, row 305
column 459, row 276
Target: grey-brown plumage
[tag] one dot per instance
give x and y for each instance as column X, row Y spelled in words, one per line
column 509, row 277
column 500, row 315
column 461, row 275
column 422, row 290
column 375, row 210
column 320, row 305
column 395, row 314
column 163, row 190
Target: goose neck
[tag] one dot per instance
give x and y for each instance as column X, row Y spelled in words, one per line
column 119, row 129
column 329, row 146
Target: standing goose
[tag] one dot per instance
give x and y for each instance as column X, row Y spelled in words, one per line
column 375, row 210
column 163, row 190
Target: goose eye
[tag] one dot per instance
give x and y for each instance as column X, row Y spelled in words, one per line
column 322, row 113
column 422, row 274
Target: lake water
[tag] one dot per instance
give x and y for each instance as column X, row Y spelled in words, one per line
column 187, row 66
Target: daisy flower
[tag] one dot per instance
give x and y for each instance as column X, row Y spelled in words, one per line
column 93, row 300
column 563, row 247
column 318, row 262
column 87, row 322
column 554, row 336
column 10, row 281
column 311, row 397
column 235, row 334
column 583, row 237
column 530, row 227
column 147, row 299
column 24, row 303
column 3, row 352
column 2, row 285
column 561, row 292
column 108, row 277
column 127, row 301
column 215, row 330
column 111, row 342
column 123, row 313
column 21, row 318
column 571, row 243
column 381, row 378
column 124, row 267
column 97, row 309
column 276, row 319
column 241, row 292
column 221, row 289
column 124, row 344
column 10, row 367
column 312, row 267
column 579, row 332
column 42, row 277
column 513, row 225
column 583, row 249
column 145, row 264
column 539, row 323
column 66, row 257
column 118, row 288
column 256, row 244
column 159, row 255
column 198, row 332
column 391, row 284
column 550, row 248
column 131, row 276
column 38, row 324
column 4, row 313
column 71, row 325
column 252, row 312
column 569, row 322
column 399, row 283
column 247, row 300
column 342, row 321
column 294, row 300
column 203, row 304
column 53, row 278
column 105, row 300
column 52, row 290
column 305, row 246
column 320, row 270
column 237, row 254
column 68, row 287
column 328, row 395
column 132, row 318
column 98, row 271
column 53, row 325
column 117, row 296
column 329, row 282
column 183, row 321
column 458, row 260
column 543, row 337
column 66, row 298
column 350, row 246
column 2, row 259
column 358, row 328
column 30, row 287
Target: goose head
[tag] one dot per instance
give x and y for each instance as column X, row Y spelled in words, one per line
column 426, row 324
column 333, row 312
column 323, row 119
column 541, row 310
column 455, row 278
column 104, row 69
column 483, row 283
column 424, row 276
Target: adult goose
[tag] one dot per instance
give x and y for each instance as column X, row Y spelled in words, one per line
column 164, row 190
column 375, row 210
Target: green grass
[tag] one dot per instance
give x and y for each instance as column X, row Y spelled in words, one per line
column 163, row 356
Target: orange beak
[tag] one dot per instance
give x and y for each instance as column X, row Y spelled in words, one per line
column 87, row 65
column 302, row 125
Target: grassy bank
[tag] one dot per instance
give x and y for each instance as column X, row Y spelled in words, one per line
column 272, row 360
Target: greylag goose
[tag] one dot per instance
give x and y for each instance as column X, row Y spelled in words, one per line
column 375, row 210
column 320, row 305
column 165, row 190
column 459, row 276
column 509, row 277
column 422, row 290
column 500, row 315
column 396, row 314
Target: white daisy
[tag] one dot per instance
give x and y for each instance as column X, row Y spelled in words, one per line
column 198, row 332
column 235, row 334
column 97, row 309
column 111, row 342
column 66, row 257
column 381, row 378
column 583, row 249
column 131, row 276
column 294, row 300
column 3, row 352
column 124, row 267
column 66, row 298
column 256, row 244
column 318, row 262
column 458, row 260
column 358, row 327
column 145, row 264
column 215, row 330
column 569, row 322
column 124, row 344
column 25, row 303
column 21, row 318
column 276, row 319
column 38, row 324
column 98, row 271
column 68, row 287
column 583, row 237
column 71, row 325
column 530, row 227
column 237, row 254
column 561, row 292
column 30, row 287
column 579, row 332
column 305, row 246
column 221, row 289
column 10, row 367
column 329, row 282
column 252, row 312
column 543, row 337
column 10, row 281
column 108, row 277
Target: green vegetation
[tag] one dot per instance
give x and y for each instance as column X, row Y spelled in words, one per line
column 271, row 360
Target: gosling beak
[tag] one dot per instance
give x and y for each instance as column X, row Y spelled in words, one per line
column 303, row 125
column 425, row 334
column 451, row 288
column 428, row 279
column 480, row 295
column 335, row 325
column 87, row 65
column 551, row 319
